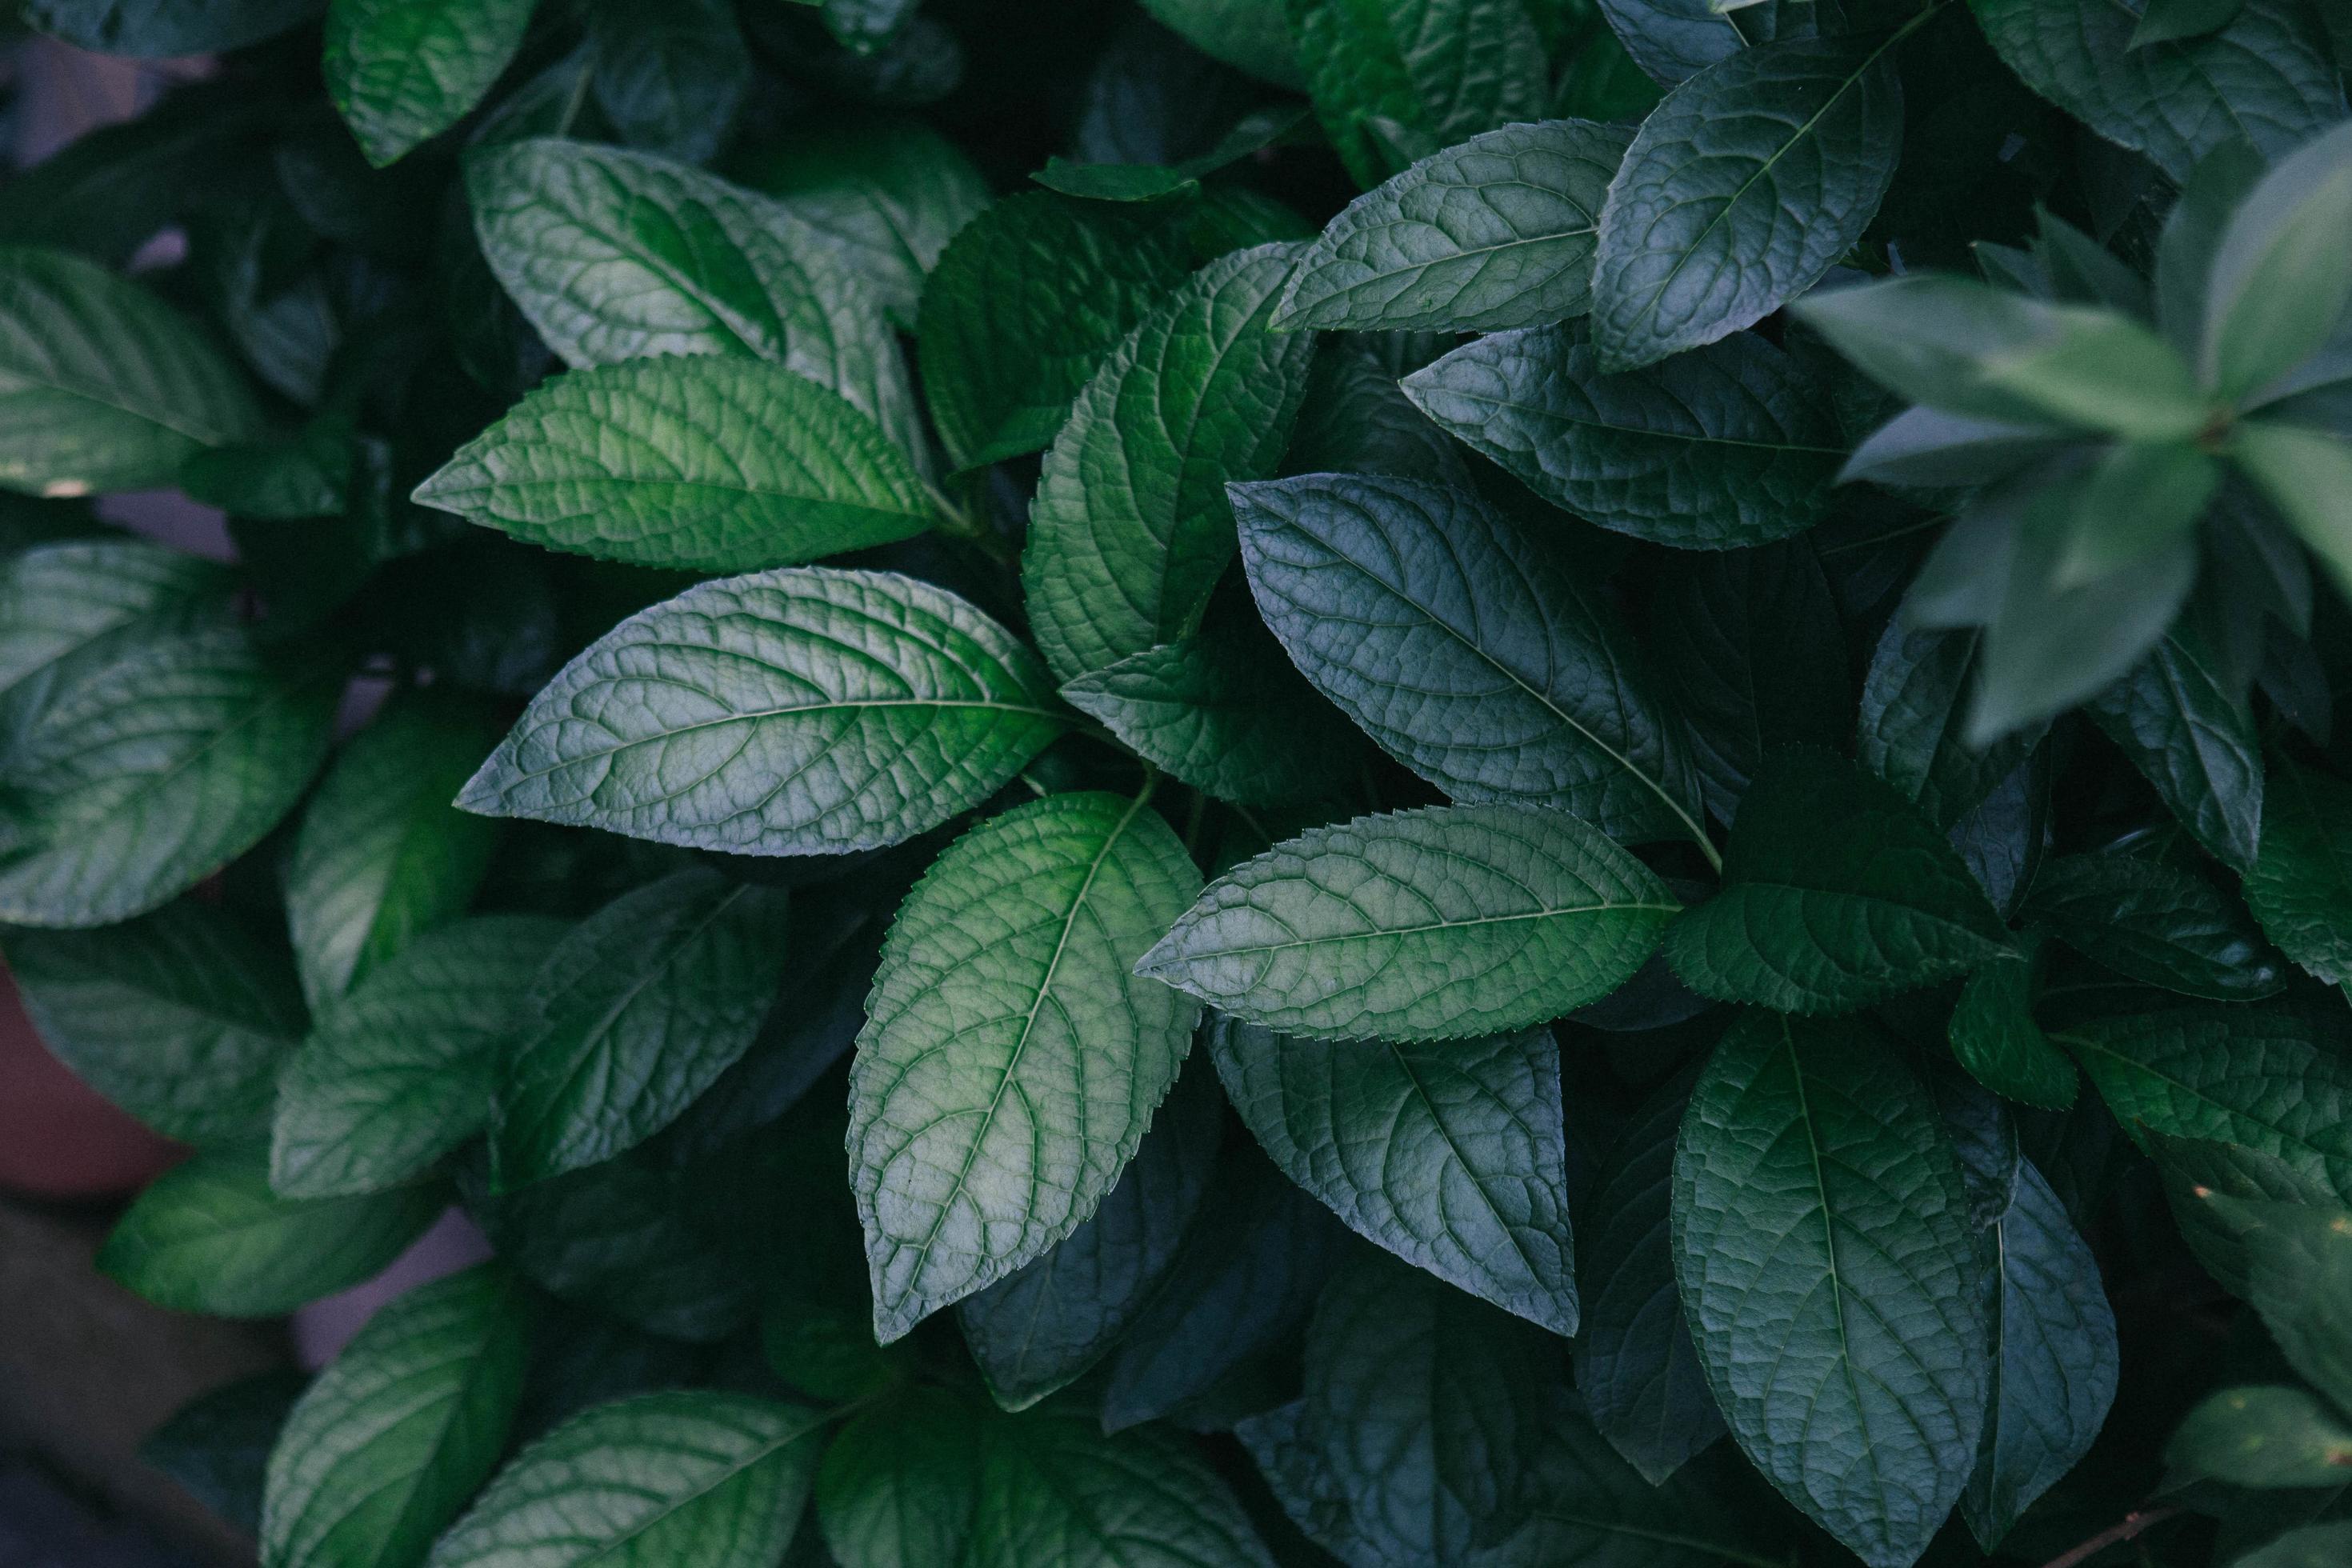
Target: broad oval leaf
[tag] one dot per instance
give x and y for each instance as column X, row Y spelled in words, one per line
column 1431, row 924
column 1465, row 648
column 1912, row 726
column 402, row 1071
column 2301, row 885
column 1450, row 1156
column 103, row 385
column 163, row 29
column 1725, row 446
column 384, row 1449
column 1392, row 79
column 1494, row 233
column 637, row 1011
column 1832, row 1279
column 713, row 1479
column 1675, row 39
column 802, row 711
column 181, row 1018
column 1131, row 528
column 1744, row 187
column 2159, row 923
column 68, row 605
column 1010, row 1060
column 1994, row 1036
column 2191, row 735
column 402, row 72
column 699, row 463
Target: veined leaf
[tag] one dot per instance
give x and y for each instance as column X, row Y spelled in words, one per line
column 1913, row 730
column 1725, row 446
column 1131, row 528
column 1450, row 1156
column 1465, row 646
column 2159, row 923
column 1010, row 1060
column 2301, row 884
column 1431, row 924
column 1247, row 35
column 1994, row 1036
column 1392, row 79
column 148, row 30
column 801, row 711
column 64, row 603
column 1832, row 1279
column 2177, row 718
column 402, row 72
column 670, row 75
column 700, row 463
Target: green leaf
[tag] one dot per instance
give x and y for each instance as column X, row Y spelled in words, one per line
column 1674, row 40
column 2300, row 1259
column 2265, row 77
column 2268, row 306
column 217, row 1446
column 2315, row 1546
column 702, row 464
column 1930, row 448
column 801, row 711
column 2307, row 476
column 381, row 857
column 2169, row 21
column 308, row 476
column 2138, row 499
column 1047, row 1323
column 1450, row 1156
column 2301, row 884
column 2267, row 1437
column 154, row 770
column 2177, row 718
column 2159, row 923
column 1830, row 1277
column 402, row 1071
column 209, row 1237
column 1391, row 75
column 1994, row 1035
column 1358, row 420
column 1223, row 711
column 163, row 29
column 1912, row 733
column 69, row 604
column 181, row 1018
column 103, row 385
column 1131, row 528
column 1467, row 648
column 1742, row 190
column 2249, row 1076
column 1248, row 35
column 633, row 1015
column 2055, row 1360
column 671, row 75
column 1027, row 301
column 1010, row 1060
column 1497, row 232
column 1815, row 922
column 886, row 193
column 1725, row 446
column 403, row 73
column 1431, row 924
column 613, row 254
column 390, row 1441
column 1151, row 181
column 713, row 1479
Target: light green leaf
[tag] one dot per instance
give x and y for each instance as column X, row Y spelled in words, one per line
column 1010, row 1060
column 1390, row 77
column 801, row 711
column 1450, row 1156
column 1810, row 921
column 2307, row 476
column 209, row 1237
column 1431, row 924
column 2159, row 923
column 2301, row 884
column 402, row 71
column 1725, row 446
column 2138, row 497
column 181, row 1018
column 2299, row 1269
column 2270, row 301
column 1831, row 1279
column 700, row 463
column 402, row 1071
column 1497, row 232
column 713, row 1479
column 387, row 1446
column 103, row 385
column 2268, row 1438
column 1467, row 648
column 633, row 1015
column 1131, row 528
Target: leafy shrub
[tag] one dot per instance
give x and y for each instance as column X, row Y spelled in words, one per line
column 1549, row 731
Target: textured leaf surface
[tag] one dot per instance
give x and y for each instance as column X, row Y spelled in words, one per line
column 1467, row 648
column 1742, row 190
column 633, row 1015
column 798, row 711
column 2301, row 885
column 401, row 71
column 103, row 385
column 1725, row 446
column 1836, row 893
column 1131, row 528
column 1913, row 732
column 387, row 1446
column 2300, row 1266
column 1831, row 1280
column 1673, row 40
column 1994, row 1036
column 713, row 1479
column 2159, row 923
column 402, row 1071
column 1451, row 1156
column 66, row 606
column 2177, row 718
column 1010, row 1060
column 1494, row 233
column 701, row 463
column 1430, row 924
column 1411, row 76
column 181, row 1018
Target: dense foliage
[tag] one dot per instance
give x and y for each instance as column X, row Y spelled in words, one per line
column 1490, row 782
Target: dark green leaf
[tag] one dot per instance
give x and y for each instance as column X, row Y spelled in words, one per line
column 2262, row 1437
column 216, row 1447
column 2169, row 21
column 402, row 73
column 1912, row 734
column 2301, row 884
column 2301, row 1268
column 160, row 29
column 1393, row 80
column 671, row 75
column 2315, row 1546
column 1994, row 1035
column 1674, row 40
column 2175, row 716
column 2159, row 923
column 1247, row 35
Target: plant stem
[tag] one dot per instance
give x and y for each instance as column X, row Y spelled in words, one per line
column 2116, row 1534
